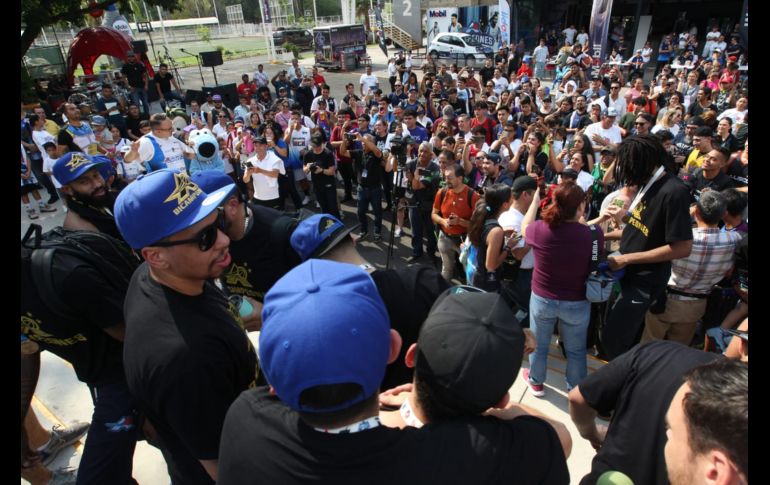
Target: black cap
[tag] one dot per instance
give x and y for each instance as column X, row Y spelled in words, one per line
column 261, row 140
column 525, row 182
column 317, row 140
column 695, row 121
column 408, row 140
column 568, row 172
column 364, row 116
column 494, row 157
column 704, row 131
column 470, row 348
column 609, row 149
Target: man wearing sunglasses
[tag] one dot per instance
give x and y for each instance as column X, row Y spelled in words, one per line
column 160, row 149
column 186, row 353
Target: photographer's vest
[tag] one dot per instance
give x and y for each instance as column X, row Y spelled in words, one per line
column 83, row 136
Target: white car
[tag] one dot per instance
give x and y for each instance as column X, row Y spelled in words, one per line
column 458, row 46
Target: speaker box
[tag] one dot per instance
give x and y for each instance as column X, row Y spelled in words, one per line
column 194, row 95
column 211, row 59
column 139, row 46
column 228, row 92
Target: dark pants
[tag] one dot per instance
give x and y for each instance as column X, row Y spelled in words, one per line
column 421, row 222
column 367, row 196
column 638, row 290
column 387, row 188
column 108, row 456
column 42, row 178
column 519, row 292
column 288, row 188
column 348, row 177
column 172, row 95
column 273, row 203
column 326, row 195
column 139, row 97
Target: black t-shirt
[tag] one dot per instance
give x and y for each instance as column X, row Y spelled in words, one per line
column 580, row 120
column 408, row 295
column 662, row 217
column 134, row 73
column 683, row 149
column 132, row 124
column 325, row 159
column 369, row 171
column 739, row 173
column 163, row 82
column 95, row 356
column 430, row 178
column 696, row 109
column 258, row 260
column 264, row 440
column 638, row 386
column 186, row 358
column 525, row 120
column 541, row 161
column 697, row 182
column 731, row 143
column 487, row 73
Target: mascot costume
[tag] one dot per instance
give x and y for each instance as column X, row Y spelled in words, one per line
column 206, row 149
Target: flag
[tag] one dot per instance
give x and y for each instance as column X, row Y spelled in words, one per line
column 505, row 22
column 380, row 28
column 600, row 24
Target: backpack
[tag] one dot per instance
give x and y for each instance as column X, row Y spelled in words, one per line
column 469, row 196
column 111, row 257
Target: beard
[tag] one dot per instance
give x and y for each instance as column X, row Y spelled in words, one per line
column 98, row 201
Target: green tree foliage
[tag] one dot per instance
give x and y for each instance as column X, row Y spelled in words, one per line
column 36, row 14
column 204, row 33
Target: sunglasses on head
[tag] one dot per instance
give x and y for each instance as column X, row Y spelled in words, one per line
column 205, row 239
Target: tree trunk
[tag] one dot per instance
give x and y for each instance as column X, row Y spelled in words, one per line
column 28, row 37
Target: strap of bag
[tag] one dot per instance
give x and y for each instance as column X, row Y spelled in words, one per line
column 594, row 249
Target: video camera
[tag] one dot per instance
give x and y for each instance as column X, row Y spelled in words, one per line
column 398, row 147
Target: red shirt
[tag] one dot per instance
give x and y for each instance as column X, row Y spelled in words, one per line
column 455, row 203
column 524, row 69
column 489, row 125
column 247, row 89
column 319, row 80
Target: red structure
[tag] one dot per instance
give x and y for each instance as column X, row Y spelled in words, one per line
column 92, row 42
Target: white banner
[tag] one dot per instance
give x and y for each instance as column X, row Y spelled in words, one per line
column 505, row 22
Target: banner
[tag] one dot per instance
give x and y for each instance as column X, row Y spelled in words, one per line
column 266, row 18
column 744, row 28
column 600, row 23
column 380, row 28
column 113, row 18
column 505, row 23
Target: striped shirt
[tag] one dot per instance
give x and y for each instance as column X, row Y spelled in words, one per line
column 712, row 256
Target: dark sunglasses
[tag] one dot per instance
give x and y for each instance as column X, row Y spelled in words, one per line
column 639, row 124
column 205, row 239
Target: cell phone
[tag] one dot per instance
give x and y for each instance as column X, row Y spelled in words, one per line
column 619, row 202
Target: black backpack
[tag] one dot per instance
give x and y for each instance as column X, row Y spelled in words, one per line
column 109, row 256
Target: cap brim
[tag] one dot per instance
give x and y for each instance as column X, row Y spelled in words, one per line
column 79, row 173
column 209, row 205
column 333, row 240
column 738, row 333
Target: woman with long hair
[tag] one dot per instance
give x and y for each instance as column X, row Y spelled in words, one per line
column 670, row 122
column 562, row 248
column 486, row 234
column 579, row 144
column 724, row 135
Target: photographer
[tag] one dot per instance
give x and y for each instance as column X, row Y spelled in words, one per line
column 368, row 165
column 422, row 177
column 320, row 162
column 401, row 149
column 264, row 168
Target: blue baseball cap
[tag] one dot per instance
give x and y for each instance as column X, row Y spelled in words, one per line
column 162, row 203
column 212, row 180
column 324, row 323
column 72, row 165
column 105, row 169
column 316, row 235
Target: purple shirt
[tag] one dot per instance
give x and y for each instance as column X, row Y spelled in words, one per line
column 562, row 259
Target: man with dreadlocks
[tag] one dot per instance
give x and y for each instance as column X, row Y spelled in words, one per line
column 657, row 231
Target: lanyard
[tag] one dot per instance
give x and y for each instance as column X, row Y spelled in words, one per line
column 408, row 415
column 368, row 423
column 655, row 177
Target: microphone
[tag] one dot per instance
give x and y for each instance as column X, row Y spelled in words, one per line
column 614, row 478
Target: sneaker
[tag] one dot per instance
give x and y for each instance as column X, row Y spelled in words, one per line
column 61, row 437
column 537, row 389
column 46, row 208
column 362, row 235
column 32, row 214
column 377, row 237
column 64, row 476
column 306, row 200
column 398, row 232
column 317, row 205
column 53, row 199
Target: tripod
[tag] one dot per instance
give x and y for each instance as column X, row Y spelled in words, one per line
column 396, row 196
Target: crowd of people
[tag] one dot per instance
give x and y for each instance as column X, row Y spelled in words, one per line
column 520, row 185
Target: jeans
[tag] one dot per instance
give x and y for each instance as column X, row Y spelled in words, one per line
column 326, row 195
column 171, row 95
column 108, row 455
column 421, row 221
column 448, row 249
column 139, row 97
column 540, row 70
column 519, row 292
column 288, row 188
column 367, row 196
column 638, row 290
column 573, row 317
column 348, row 177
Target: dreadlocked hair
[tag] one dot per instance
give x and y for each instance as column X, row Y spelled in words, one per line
column 638, row 156
column 488, row 206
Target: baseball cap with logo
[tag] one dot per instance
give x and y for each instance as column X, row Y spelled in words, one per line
column 217, row 97
column 318, row 234
column 611, row 112
column 324, row 323
column 98, row 120
column 212, row 180
column 72, row 165
column 163, row 203
column 469, row 349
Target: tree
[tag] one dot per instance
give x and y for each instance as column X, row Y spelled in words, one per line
column 36, row 14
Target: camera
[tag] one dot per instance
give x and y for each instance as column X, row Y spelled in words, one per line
column 350, row 136
column 313, row 166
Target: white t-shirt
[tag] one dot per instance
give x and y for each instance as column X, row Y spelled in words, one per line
column 392, row 70
column 173, row 151
column 569, row 35
column 41, row 138
column 501, row 84
column 130, row 170
column 596, row 128
column 266, row 188
column 585, row 180
column 369, row 82
column 540, row 53
column 582, row 38
column 646, row 54
column 48, row 163
column 511, row 219
column 219, row 131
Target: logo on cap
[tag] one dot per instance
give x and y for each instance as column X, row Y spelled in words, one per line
column 185, row 192
column 325, row 225
column 76, row 161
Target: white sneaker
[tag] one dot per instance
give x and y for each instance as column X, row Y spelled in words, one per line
column 32, row 214
column 306, row 200
column 398, row 233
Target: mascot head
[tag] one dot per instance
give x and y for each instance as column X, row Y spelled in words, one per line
column 205, row 144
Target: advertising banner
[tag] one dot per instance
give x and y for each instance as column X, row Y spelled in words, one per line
column 505, row 22
column 600, row 23
column 380, row 28
column 481, row 22
column 744, row 29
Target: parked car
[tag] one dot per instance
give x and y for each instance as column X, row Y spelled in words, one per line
column 300, row 37
column 458, row 46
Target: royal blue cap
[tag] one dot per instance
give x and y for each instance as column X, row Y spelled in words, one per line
column 212, row 180
column 162, row 203
column 324, row 323
column 316, row 235
column 105, row 169
column 70, row 166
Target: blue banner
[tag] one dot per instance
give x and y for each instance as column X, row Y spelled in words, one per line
column 600, row 24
